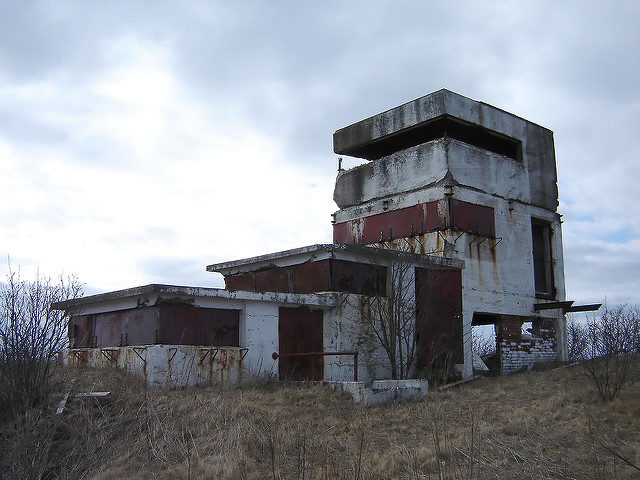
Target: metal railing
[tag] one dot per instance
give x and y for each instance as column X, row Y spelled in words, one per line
column 277, row 355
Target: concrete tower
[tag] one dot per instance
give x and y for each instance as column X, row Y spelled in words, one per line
column 458, row 178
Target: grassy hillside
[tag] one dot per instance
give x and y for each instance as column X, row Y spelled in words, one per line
column 532, row 425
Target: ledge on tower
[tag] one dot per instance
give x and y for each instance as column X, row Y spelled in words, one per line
column 439, row 114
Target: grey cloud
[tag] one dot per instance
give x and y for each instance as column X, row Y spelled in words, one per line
column 178, row 270
column 595, row 270
column 23, row 127
column 296, row 71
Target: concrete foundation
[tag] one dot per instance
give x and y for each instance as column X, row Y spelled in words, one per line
column 167, row 366
column 382, row 391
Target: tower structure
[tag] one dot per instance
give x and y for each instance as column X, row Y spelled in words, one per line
column 458, row 178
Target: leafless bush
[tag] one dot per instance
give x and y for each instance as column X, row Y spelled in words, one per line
column 607, row 442
column 31, row 335
column 576, row 340
column 406, row 322
column 393, row 320
column 610, row 359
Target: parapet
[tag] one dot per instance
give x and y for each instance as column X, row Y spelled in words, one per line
column 445, row 114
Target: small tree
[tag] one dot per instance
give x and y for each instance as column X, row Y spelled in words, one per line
column 610, row 358
column 402, row 321
column 392, row 318
column 576, row 340
column 31, row 335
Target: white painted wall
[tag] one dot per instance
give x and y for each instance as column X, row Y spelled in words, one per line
column 498, row 276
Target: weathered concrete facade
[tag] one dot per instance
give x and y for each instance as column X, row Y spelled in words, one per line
column 251, row 333
column 457, row 205
column 458, row 178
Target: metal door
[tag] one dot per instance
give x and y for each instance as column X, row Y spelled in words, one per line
column 300, row 331
column 439, row 315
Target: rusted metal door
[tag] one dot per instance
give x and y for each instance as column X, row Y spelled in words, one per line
column 300, row 331
column 439, row 315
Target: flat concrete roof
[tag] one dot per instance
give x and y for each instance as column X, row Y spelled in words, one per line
column 349, row 252
column 327, row 299
column 432, row 116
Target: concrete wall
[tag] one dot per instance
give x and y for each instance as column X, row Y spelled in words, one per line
column 167, row 366
column 498, row 277
column 538, row 155
column 345, row 330
column 518, row 351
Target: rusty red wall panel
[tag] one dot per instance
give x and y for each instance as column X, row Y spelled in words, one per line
column 341, row 232
column 273, row 280
column 404, row 222
column 310, row 277
column 80, row 331
column 439, row 315
column 108, row 330
column 139, row 326
column 302, row 278
column 300, row 331
column 510, row 329
column 416, row 220
column 125, row 327
column 188, row 325
column 167, row 324
column 470, row 217
column 245, row 281
column 354, row 277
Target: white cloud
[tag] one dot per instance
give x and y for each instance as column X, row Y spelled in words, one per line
column 139, row 143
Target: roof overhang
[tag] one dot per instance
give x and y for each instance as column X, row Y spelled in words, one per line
column 348, row 252
column 152, row 294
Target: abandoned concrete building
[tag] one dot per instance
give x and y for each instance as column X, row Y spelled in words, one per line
column 451, row 224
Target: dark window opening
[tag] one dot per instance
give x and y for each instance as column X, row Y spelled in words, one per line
column 443, row 126
column 542, row 258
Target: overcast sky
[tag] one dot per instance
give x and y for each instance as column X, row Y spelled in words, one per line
column 141, row 141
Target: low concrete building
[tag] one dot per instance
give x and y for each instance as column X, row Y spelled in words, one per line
column 292, row 315
column 456, row 208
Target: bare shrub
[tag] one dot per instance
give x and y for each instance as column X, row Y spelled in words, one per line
column 610, row 359
column 401, row 321
column 31, row 335
column 576, row 340
column 393, row 320
column 606, row 440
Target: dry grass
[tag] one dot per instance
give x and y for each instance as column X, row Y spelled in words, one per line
column 534, row 425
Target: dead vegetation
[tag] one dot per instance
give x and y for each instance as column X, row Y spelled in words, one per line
column 534, row 425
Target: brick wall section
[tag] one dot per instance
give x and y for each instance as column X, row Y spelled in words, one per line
column 518, row 352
